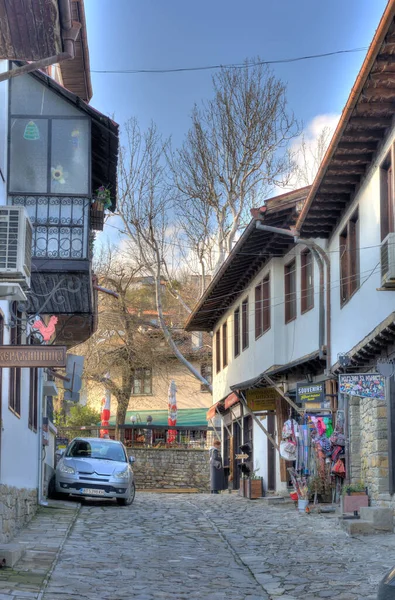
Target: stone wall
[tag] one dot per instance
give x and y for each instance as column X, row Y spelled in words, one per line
column 165, row 468
column 17, row 507
column 369, row 447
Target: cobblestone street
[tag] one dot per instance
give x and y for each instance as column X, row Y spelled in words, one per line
column 193, row 546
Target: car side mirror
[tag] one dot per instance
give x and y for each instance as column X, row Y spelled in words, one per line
column 60, row 452
column 132, row 459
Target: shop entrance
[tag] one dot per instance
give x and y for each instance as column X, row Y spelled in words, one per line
column 271, row 453
column 237, row 444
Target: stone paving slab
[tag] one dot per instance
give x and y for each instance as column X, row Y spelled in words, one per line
column 179, row 547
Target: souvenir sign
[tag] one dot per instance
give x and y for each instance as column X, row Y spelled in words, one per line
column 308, row 393
column 262, row 399
column 364, row 385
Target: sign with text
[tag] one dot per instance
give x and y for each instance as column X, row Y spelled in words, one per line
column 262, row 399
column 32, row 356
column 308, row 393
column 366, row 385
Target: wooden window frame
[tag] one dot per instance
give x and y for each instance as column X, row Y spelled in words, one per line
column 33, row 400
column 15, row 381
column 349, row 259
column 262, row 307
column 217, row 351
column 290, row 304
column 244, row 325
column 306, row 289
column 139, row 375
column 236, row 331
column 225, row 345
column 387, row 196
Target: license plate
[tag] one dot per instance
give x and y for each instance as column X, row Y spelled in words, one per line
column 92, row 492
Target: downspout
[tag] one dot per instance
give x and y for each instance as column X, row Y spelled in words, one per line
column 320, row 257
column 41, row 500
column 70, row 31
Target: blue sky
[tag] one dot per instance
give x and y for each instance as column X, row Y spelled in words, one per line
column 144, row 34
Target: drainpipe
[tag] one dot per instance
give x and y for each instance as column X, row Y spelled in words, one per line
column 41, row 500
column 70, row 31
column 320, row 257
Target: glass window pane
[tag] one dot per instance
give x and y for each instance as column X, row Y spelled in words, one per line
column 70, row 156
column 31, row 97
column 28, row 155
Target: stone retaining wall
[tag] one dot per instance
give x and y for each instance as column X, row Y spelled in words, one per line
column 17, row 507
column 171, row 468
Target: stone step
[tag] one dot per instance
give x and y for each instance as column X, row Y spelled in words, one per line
column 10, row 553
column 382, row 519
column 357, row 527
column 275, row 500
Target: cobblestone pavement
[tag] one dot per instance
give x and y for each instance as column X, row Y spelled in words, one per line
column 194, row 546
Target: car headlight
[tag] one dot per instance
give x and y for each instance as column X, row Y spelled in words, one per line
column 66, row 469
column 122, row 474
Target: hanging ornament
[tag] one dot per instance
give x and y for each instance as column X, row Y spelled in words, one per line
column 58, row 174
column 75, row 135
column 32, row 132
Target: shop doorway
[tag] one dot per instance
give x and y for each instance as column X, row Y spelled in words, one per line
column 271, row 453
column 237, row 444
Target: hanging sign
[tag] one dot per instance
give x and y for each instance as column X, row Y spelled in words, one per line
column 262, row 399
column 32, row 356
column 311, row 392
column 366, row 385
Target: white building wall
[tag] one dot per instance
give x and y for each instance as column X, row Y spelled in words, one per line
column 282, row 343
column 19, row 445
column 367, row 307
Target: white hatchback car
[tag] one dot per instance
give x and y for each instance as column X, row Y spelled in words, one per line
column 95, row 467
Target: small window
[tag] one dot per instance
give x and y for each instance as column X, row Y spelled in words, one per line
column 236, row 331
column 349, row 259
column 218, row 351
column 206, row 372
column 224, row 345
column 245, row 324
column 142, row 382
column 262, row 307
column 387, row 210
column 307, row 281
column 290, row 291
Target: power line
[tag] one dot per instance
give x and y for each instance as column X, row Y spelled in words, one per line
column 245, row 65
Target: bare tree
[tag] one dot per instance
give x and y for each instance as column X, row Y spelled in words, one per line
column 235, row 149
column 308, row 157
column 146, row 207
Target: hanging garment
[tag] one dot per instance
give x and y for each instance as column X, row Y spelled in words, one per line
column 288, row 450
column 290, row 429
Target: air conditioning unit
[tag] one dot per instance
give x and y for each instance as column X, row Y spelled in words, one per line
column 16, row 236
column 388, row 261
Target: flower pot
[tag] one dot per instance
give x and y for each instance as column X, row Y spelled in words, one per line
column 354, row 502
column 302, row 505
column 96, row 217
column 254, row 488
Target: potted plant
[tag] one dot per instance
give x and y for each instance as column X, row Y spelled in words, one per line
column 354, row 497
column 254, row 486
column 101, row 201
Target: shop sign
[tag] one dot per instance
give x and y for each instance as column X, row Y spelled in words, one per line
column 366, row 385
column 32, row 356
column 308, row 393
column 262, row 399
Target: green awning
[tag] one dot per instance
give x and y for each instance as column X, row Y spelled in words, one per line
column 186, row 417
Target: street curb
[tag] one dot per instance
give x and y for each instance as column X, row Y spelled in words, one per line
column 55, row 560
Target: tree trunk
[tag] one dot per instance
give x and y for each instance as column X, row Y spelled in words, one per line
column 122, row 407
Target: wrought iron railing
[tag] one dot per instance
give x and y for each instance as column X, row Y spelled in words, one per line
column 61, row 225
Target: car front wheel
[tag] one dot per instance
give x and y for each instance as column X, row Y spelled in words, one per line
column 129, row 500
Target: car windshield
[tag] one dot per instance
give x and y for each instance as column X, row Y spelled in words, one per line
column 96, row 449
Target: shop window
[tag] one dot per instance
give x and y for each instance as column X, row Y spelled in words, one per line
column 262, row 307
column 218, row 351
column 142, row 381
column 307, row 281
column 224, row 345
column 33, row 399
column 236, row 331
column 14, row 397
column 290, row 291
column 49, row 147
column 206, row 371
column 349, row 259
column 387, row 198
column 245, row 324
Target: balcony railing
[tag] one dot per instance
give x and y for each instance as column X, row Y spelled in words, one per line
column 61, row 225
